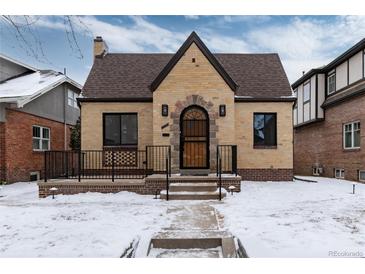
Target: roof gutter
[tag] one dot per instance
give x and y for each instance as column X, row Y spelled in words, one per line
column 248, row 99
column 117, row 100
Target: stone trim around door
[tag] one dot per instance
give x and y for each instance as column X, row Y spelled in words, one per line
column 175, row 129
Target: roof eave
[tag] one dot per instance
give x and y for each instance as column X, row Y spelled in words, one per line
column 307, row 76
column 17, row 62
column 347, row 54
column 107, row 99
column 265, row 99
column 340, row 59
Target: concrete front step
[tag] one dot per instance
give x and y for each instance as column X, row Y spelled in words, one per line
column 185, row 241
column 193, row 187
column 186, row 253
column 189, row 195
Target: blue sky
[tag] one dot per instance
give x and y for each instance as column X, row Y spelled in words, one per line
column 303, row 42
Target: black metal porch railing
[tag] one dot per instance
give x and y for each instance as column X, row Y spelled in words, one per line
column 227, row 154
column 111, row 163
column 219, row 174
column 155, row 159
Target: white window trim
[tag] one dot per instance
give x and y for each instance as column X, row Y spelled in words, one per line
column 41, row 138
column 308, row 83
column 73, row 98
column 352, row 135
column 342, row 173
column 359, row 176
column 328, row 86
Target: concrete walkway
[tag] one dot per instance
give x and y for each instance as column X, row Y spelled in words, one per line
column 196, row 230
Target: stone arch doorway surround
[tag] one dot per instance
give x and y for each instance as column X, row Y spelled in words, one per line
column 208, row 106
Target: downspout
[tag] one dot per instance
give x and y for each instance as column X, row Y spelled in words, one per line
column 64, row 113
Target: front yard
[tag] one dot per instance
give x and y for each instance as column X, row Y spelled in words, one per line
column 300, row 219
column 272, row 219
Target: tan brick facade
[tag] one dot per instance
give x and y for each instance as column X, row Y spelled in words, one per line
column 185, row 80
column 92, row 122
column 198, row 83
column 251, row 158
column 322, row 143
column 20, row 159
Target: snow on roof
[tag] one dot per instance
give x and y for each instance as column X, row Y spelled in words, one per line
column 29, row 84
column 23, row 89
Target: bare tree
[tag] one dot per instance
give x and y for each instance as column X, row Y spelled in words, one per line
column 25, row 30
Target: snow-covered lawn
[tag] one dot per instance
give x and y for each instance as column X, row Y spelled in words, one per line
column 83, row 225
column 272, row 219
column 297, row 219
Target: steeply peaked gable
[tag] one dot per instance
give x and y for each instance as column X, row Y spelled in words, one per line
column 193, row 38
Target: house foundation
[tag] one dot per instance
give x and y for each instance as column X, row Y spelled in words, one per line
column 147, row 186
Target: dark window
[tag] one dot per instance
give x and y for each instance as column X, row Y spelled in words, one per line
column 264, row 126
column 120, row 129
column 165, row 110
column 222, row 110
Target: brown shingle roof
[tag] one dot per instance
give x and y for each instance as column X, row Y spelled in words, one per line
column 120, row 75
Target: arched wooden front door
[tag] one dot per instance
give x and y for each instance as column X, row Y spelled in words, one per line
column 194, row 138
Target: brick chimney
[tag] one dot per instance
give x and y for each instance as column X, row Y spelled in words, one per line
column 100, row 47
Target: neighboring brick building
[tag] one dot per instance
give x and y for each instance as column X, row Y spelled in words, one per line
column 37, row 109
column 329, row 139
column 192, row 101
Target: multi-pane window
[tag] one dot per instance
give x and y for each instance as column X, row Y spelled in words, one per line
column 120, row 129
column 41, row 138
column 331, row 83
column 264, row 126
column 351, row 135
column 306, row 92
column 72, row 98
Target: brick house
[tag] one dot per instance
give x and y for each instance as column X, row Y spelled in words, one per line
column 37, row 110
column 192, row 101
column 328, row 115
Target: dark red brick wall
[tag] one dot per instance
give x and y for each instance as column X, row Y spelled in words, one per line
column 20, row 157
column 266, row 174
column 2, row 151
column 322, row 142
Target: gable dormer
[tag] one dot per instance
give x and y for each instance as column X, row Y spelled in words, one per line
column 196, row 50
column 320, row 88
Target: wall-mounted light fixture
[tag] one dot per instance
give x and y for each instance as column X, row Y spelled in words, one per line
column 165, row 110
column 222, row 110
